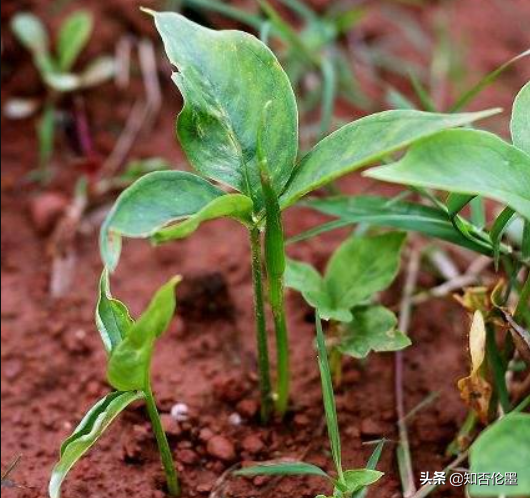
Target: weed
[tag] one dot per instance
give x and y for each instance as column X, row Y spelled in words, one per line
column 129, row 345
column 239, row 127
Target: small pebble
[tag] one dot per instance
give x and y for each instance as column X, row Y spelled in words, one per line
column 180, row 412
column 235, row 419
column 221, row 448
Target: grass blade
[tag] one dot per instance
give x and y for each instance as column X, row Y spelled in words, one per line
column 329, row 399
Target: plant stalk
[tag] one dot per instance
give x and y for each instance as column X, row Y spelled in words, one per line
column 261, row 328
column 173, row 485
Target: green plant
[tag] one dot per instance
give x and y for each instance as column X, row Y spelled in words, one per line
column 55, row 68
column 347, row 483
column 130, row 346
column 239, row 127
column 359, row 268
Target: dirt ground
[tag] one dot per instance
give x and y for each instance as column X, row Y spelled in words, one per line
column 53, row 362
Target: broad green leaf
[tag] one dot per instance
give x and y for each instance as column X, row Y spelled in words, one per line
column 282, row 469
column 128, row 367
column 73, row 37
column 328, row 396
column 362, row 266
column 373, row 328
column 504, row 447
column 385, row 212
column 226, row 78
column 520, row 123
column 466, row 162
column 87, row 433
column 112, row 316
column 365, row 141
column 306, row 280
column 360, row 478
column 236, row 206
column 151, row 203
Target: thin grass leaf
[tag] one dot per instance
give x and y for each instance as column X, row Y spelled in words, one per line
column 229, row 11
column 329, row 94
column 487, row 80
column 422, row 93
column 371, row 465
column 282, row 469
column 329, row 399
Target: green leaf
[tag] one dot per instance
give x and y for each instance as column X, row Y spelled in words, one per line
column 386, row 212
column 236, row 206
column 360, row 478
column 226, row 78
column 365, row 141
column 466, row 162
column 30, row 32
column 87, row 433
column 282, row 469
column 503, row 447
column 151, row 203
column 329, row 398
column 373, row 328
column 497, row 230
column 371, row 465
column 362, row 266
column 128, row 367
column 359, row 268
column 520, row 123
column 306, row 280
column 73, row 37
column 112, row 316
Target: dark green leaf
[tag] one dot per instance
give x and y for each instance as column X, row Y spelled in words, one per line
column 466, row 162
column 382, row 211
column 128, row 367
column 365, row 141
column 226, row 78
column 373, row 328
column 236, row 206
column 520, row 123
column 362, row 266
column 112, row 316
column 329, row 398
column 151, row 203
column 456, row 202
column 282, row 469
column 87, row 433
column 504, row 447
column 497, row 230
column 73, row 37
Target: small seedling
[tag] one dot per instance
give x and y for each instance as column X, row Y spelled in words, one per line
column 239, row 127
column 359, row 268
column 130, row 346
column 346, row 483
column 55, row 69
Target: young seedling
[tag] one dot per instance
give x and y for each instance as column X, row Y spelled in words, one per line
column 239, row 127
column 55, row 69
column 359, row 268
column 130, row 346
column 346, row 483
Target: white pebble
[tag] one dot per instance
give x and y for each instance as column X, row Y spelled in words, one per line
column 180, row 412
column 235, row 419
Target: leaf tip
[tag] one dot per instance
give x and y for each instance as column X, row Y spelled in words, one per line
column 148, row 11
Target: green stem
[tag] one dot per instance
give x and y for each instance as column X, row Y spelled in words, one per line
column 498, row 368
column 163, row 445
column 524, row 298
column 261, row 329
column 276, row 298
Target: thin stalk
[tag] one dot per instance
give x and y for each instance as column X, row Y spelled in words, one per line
column 173, row 485
column 498, row 368
column 261, row 327
column 403, row 450
column 524, row 299
column 465, row 435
